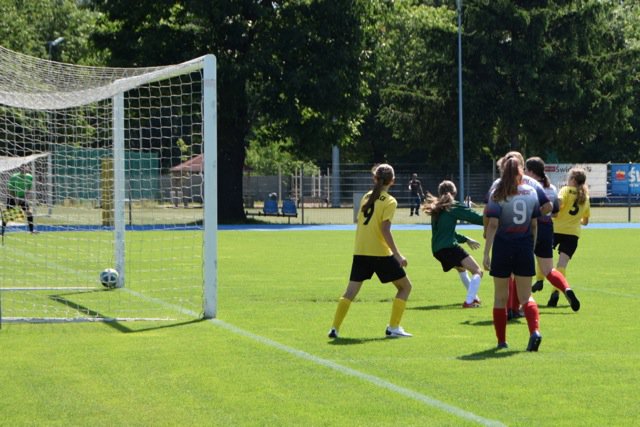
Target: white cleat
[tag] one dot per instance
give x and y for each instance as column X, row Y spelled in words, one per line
column 396, row 332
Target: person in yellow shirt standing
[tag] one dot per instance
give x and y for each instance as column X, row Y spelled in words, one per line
column 376, row 252
column 575, row 210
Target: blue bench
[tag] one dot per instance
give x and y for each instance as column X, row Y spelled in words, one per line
column 270, row 208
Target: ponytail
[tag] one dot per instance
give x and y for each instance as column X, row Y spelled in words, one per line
column 536, row 165
column 446, row 198
column 383, row 175
column 580, row 178
column 509, row 180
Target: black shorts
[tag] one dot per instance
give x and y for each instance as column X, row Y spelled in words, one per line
column 386, row 268
column 451, row 257
column 566, row 243
column 544, row 245
column 13, row 202
column 512, row 257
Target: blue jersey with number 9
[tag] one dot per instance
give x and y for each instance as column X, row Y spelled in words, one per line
column 514, row 214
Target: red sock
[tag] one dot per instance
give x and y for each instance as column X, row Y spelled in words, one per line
column 500, row 324
column 558, row 280
column 513, row 302
column 532, row 315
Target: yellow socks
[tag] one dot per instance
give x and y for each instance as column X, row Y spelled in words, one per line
column 341, row 312
column 397, row 311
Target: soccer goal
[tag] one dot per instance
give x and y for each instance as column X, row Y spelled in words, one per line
column 123, row 166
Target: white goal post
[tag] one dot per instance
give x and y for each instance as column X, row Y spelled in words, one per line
column 104, row 148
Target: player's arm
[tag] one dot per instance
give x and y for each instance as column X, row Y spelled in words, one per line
column 546, row 208
column 473, row 244
column 492, row 228
column 534, row 230
column 388, row 238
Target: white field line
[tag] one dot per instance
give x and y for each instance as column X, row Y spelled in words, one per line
column 429, row 401
column 379, row 382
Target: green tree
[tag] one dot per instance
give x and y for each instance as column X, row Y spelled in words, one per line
column 281, row 66
column 28, row 26
column 547, row 77
column 416, row 76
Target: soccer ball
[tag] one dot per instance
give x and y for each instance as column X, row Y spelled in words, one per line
column 109, row 278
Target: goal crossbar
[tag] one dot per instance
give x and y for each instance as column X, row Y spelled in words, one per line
column 101, row 144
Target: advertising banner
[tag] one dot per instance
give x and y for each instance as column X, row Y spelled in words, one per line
column 596, row 176
column 625, row 179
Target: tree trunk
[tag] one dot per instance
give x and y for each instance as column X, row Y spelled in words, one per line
column 233, row 127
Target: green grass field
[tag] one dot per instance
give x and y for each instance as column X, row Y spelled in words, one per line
column 266, row 360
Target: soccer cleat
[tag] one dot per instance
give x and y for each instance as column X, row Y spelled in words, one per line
column 537, row 286
column 333, row 333
column 472, row 304
column 502, row 345
column 477, row 300
column 553, row 299
column 573, row 300
column 514, row 314
column 396, row 332
column 534, row 341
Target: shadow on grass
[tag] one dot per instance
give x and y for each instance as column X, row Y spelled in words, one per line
column 492, row 353
column 436, row 307
column 488, row 322
column 353, row 341
column 115, row 323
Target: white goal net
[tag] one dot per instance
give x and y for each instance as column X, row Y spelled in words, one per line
column 121, row 166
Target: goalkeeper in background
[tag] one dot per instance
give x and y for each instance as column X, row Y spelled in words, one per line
column 19, row 186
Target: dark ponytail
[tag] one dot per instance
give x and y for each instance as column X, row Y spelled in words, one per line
column 383, row 175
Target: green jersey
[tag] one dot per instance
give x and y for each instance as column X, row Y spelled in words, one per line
column 443, row 229
column 19, row 184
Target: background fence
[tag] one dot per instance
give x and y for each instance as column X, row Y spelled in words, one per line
column 323, row 198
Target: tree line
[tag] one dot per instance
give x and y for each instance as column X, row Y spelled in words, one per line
column 378, row 78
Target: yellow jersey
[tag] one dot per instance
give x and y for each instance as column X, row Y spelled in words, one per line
column 568, row 219
column 369, row 239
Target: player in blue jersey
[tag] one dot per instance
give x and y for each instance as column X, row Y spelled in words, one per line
column 513, row 305
column 512, row 212
column 534, row 167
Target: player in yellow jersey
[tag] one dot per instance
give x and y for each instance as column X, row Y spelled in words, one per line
column 575, row 210
column 376, row 252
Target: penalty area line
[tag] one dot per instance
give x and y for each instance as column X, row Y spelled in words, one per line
column 430, row 401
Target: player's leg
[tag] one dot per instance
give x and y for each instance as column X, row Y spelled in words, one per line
column 28, row 214
column 470, row 264
column 403, row 287
column 513, row 303
column 464, row 277
column 524, row 269
column 362, row 268
column 343, row 307
column 500, row 299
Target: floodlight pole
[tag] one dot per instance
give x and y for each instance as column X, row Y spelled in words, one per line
column 461, row 193
column 53, row 44
column 50, row 46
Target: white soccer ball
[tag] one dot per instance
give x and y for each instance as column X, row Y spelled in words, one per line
column 109, row 278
